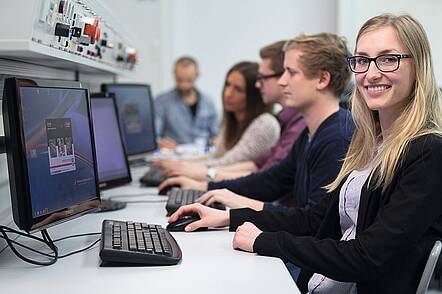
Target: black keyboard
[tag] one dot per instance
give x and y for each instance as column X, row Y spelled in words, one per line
column 180, row 197
column 153, row 177
column 131, row 243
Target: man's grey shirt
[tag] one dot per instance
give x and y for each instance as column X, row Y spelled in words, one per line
column 174, row 119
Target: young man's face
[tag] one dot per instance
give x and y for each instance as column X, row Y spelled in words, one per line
column 267, row 85
column 299, row 91
column 185, row 77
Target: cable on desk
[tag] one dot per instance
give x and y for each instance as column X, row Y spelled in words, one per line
column 76, row 236
column 29, row 248
column 80, row 250
column 46, row 239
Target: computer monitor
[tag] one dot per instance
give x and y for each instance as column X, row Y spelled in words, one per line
column 50, row 152
column 136, row 114
column 112, row 165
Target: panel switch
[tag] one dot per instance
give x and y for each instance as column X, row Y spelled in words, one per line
column 62, row 30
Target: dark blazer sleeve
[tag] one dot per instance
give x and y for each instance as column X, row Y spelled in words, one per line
column 409, row 210
column 297, row 221
column 267, row 185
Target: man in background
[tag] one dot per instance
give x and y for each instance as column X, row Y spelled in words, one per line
column 184, row 114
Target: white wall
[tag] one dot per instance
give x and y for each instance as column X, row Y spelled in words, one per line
column 219, row 33
column 143, row 21
column 352, row 14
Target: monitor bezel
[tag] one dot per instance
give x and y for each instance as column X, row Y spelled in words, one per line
column 104, row 88
column 123, row 180
column 16, row 157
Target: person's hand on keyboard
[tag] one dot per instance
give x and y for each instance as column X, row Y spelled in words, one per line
column 210, row 217
column 183, row 183
column 229, row 199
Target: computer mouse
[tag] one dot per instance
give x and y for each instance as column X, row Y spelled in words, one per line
column 181, row 223
column 166, row 190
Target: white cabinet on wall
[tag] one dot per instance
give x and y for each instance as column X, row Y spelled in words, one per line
column 78, row 35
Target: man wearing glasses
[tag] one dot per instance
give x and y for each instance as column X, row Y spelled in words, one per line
column 291, row 121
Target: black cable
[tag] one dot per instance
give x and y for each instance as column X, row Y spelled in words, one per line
column 77, row 235
column 45, row 239
column 80, row 250
column 29, row 248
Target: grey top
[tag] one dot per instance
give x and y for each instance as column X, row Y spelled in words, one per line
column 348, row 213
column 262, row 133
column 174, row 119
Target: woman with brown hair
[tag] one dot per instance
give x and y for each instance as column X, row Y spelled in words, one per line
column 248, row 129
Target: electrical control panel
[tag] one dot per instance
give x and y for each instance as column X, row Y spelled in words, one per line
column 73, row 34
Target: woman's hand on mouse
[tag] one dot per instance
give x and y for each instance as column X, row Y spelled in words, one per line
column 229, row 199
column 210, row 217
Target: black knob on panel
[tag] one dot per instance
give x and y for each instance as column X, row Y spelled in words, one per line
column 62, row 30
column 76, row 32
column 61, row 6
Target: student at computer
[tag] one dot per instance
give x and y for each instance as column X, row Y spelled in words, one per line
column 316, row 74
column 248, row 128
column 184, row 114
column 290, row 120
column 374, row 230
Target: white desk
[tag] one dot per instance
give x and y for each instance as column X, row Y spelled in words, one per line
column 209, row 263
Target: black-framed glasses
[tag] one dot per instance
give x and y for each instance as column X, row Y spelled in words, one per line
column 384, row 62
column 261, row 77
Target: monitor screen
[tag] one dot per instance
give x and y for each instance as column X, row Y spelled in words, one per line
column 51, row 156
column 112, row 165
column 136, row 114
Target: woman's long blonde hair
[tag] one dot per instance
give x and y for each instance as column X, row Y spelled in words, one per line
column 421, row 116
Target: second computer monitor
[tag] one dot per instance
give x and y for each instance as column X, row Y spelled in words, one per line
column 112, row 165
column 136, row 113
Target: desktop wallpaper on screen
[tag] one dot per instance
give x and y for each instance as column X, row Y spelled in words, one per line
column 58, row 148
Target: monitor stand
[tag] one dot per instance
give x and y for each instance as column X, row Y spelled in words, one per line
column 110, row 205
column 137, row 162
column 2, row 145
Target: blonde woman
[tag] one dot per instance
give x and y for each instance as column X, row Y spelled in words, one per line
column 375, row 229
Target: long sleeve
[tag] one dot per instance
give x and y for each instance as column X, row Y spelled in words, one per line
column 297, row 221
column 266, row 185
column 410, row 209
column 261, row 135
